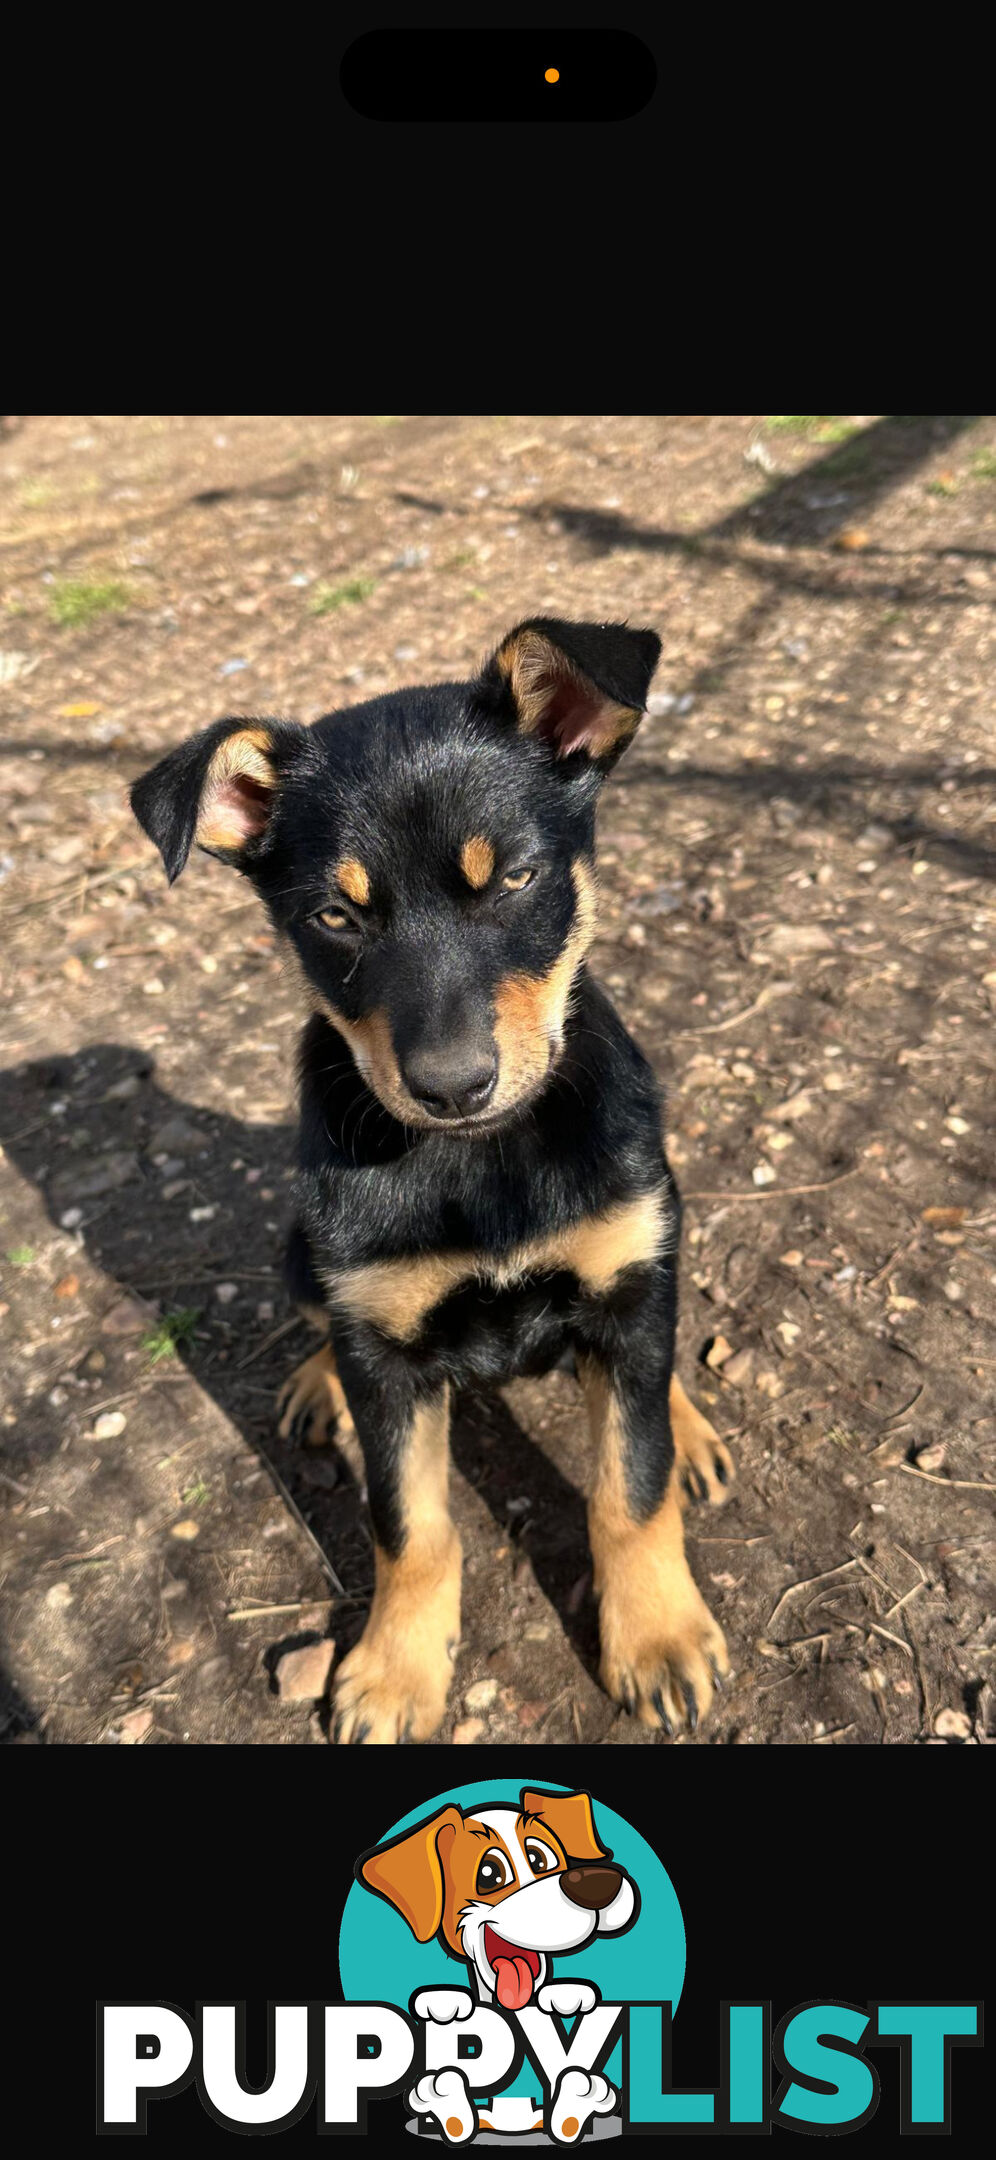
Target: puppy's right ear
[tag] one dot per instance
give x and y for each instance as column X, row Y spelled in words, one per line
column 219, row 789
column 409, row 1873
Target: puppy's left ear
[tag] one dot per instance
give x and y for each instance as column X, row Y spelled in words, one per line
column 578, row 686
column 219, row 789
column 570, row 1818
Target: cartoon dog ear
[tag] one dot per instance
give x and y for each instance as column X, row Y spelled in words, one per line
column 570, row 1818
column 409, row 1872
column 578, row 686
column 218, row 789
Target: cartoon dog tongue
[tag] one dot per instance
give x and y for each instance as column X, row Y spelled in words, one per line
column 513, row 1982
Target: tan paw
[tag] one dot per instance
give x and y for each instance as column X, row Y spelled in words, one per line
column 662, row 1651
column 383, row 1694
column 311, row 1404
column 394, row 1685
column 704, row 1466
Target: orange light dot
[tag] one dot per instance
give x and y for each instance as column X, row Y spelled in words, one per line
column 552, row 75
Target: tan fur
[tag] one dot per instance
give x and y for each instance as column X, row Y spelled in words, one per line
column 533, row 669
column 477, row 861
column 221, row 823
column 657, row 1633
column 355, row 883
column 315, row 1386
column 396, row 1680
column 699, row 1451
column 398, row 1295
column 530, row 1010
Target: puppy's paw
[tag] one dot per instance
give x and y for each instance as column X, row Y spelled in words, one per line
column 311, row 1404
column 442, row 2005
column 445, row 2095
column 580, row 2094
column 704, row 1466
column 566, row 1998
column 662, row 1651
column 393, row 1686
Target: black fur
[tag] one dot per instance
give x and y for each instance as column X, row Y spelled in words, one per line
column 398, row 784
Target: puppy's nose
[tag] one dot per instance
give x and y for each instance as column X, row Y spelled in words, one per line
column 451, row 1083
column 592, row 1885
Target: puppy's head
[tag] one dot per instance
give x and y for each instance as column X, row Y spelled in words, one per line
column 505, row 1886
column 429, row 857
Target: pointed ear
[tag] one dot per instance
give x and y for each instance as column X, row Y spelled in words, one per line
column 409, row 1872
column 218, row 789
column 570, row 1818
column 578, row 686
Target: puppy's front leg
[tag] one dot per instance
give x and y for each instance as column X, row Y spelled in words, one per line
column 661, row 1647
column 393, row 1686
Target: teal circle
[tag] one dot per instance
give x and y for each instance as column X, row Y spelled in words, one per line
column 380, row 1960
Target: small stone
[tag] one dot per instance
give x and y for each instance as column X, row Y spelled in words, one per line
column 59, row 1596
column 791, row 1259
column 932, row 1458
column 718, row 1352
column 303, row 1675
column 71, row 1219
column 792, row 938
column 180, row 1653
column 68, row 1287
column 226, row 1292
column 186, row 1530
column 953, row 1725
column 154, row 987
column 738, row 1369
column 957, row 1124
column 127, row 1317
column 763, row 1174
column 481, row 1695
column 109, row 1424
column 469, row 1730
column 852, row 539
column 134, row 1728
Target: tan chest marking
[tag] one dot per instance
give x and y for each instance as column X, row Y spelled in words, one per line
column 397, row 1296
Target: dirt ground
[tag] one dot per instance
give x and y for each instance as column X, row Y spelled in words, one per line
column 797, row 859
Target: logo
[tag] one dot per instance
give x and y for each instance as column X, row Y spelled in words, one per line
column 511, row 1963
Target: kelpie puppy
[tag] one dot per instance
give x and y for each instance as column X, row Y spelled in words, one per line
column 482, row 1183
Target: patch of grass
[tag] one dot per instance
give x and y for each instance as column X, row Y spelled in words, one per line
column 196, row 1494
column 21, row 1255
column 942, row 487
column 820, row 427
column 330, row 597
column 74, row 601
column 984, row 465
column 170, row 1332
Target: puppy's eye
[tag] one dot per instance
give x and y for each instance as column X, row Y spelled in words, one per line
column 517, row 880
column 540, row 1858
column 493, row 1873
column 335, row 919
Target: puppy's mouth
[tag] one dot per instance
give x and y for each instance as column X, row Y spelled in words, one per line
column 516, row 1970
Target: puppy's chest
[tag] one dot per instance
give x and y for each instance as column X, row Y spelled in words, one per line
column 397, row 1294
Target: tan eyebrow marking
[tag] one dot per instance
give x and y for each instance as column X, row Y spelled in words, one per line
column 477, row 860
column 354, row 881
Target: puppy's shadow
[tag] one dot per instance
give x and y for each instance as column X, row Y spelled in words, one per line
column 172, row 1202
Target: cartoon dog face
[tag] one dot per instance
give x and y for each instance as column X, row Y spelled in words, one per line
column 505, row 1887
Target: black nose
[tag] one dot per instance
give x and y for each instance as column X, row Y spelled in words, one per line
column 592, row 1886
column 451, row 1083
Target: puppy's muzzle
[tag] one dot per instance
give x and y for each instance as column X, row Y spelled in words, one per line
column 592, row 1887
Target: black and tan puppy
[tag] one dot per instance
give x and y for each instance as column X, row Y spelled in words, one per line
column 482, row 1184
